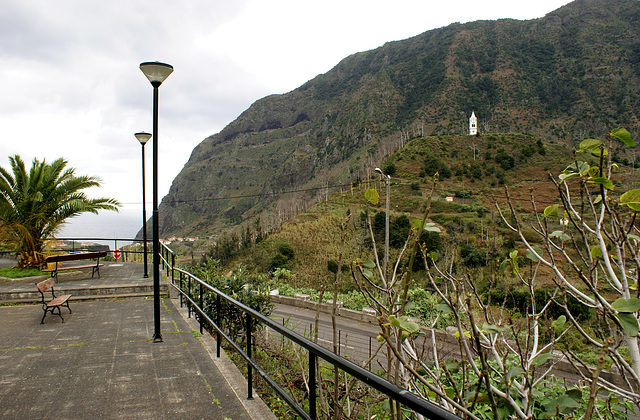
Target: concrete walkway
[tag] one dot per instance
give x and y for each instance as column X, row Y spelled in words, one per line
column 101, row 363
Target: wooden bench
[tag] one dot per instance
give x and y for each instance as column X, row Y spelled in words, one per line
column 55, row 303
column 95, row 268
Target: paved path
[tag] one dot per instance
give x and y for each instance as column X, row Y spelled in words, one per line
column 101, row 363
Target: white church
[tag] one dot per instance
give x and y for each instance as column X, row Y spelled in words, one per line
column 473, row 124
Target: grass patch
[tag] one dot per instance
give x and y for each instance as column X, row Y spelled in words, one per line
column 18, row 273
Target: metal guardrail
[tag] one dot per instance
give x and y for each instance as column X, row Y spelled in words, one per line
column 77, row 246
column 412, row 401
column 76, row 243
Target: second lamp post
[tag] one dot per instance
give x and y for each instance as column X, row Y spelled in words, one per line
column 143, row 138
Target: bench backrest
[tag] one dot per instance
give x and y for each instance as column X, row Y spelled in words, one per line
column 74, row 257
column 45, row 285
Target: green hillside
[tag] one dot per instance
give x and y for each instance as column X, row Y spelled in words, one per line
column 572, row 74
column 470, row 221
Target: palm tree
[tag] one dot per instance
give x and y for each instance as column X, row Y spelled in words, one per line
column 35, row 204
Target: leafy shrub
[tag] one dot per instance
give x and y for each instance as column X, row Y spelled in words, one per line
column 399, row 231
column 505, row 160
column 432, row 241
column 541, row 149
column 281, row 260
column 528, row 151
column 389, row 168
column 332, row 266
column 287, row 250
column 248, row 289
column 422, row 304
column 520, row 301
column 278, row 261
column 475, row 170
column 463, row 194
column 433, row 164
column 379, row 221
column 473, row 257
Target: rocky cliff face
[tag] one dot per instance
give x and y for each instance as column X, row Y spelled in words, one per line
column 573, row 73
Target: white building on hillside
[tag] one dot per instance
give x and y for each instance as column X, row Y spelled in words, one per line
column 473, row 124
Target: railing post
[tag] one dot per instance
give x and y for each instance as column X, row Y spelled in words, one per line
column 181, row 289
column 190, row 297
column 166, row 258
column 249, row 367
column 173, row 266
column 201, row 308
column 369, row 364
column 312, row 385
column 218, row 318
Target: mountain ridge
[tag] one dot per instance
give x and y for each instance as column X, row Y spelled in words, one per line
column 572, row 73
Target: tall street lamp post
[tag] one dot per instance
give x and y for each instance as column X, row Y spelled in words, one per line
column 143, row 138
column 387, row 179
column 156, row 73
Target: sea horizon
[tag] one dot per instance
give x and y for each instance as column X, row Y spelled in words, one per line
column 107, row 227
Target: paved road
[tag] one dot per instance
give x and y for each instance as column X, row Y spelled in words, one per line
column 357, row 340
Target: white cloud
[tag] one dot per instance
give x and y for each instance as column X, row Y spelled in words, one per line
column 70, row 84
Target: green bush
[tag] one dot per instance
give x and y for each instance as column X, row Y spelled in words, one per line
column 379, row 221
column 282, row 259
column 473, row 257
column 505, row 160
column 278, row 261
column 399, row 231
column 250, row 290
column 332, row 266
column 433, row 164
column 463, row 194
column 287, row 251
column 520, row 301
column 389, row 168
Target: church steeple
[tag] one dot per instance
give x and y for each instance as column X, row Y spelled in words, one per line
column 473, row 124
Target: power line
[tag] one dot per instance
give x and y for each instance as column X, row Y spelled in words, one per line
column 330, row 187
column 333, row 187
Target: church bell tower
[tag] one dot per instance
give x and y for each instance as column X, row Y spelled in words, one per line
column 473, row 124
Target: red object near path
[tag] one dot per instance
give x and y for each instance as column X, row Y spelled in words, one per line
column 116, row 254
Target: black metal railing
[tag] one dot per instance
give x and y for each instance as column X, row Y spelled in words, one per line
column 97, row 244
column 77, row 244
column 186, row 283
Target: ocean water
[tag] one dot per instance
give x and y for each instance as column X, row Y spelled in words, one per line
column 105, row 227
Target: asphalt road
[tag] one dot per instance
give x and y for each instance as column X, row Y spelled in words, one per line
column 356, row 339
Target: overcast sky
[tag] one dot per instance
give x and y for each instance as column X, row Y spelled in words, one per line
column 70, row 84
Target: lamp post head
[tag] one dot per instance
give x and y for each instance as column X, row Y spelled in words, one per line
column 143, row 137
column 388, row 177
column 156, row 72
